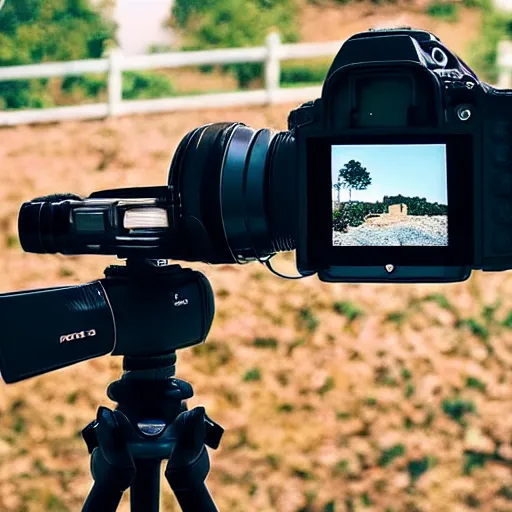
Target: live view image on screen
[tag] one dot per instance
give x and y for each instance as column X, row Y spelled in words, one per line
column 389, row 195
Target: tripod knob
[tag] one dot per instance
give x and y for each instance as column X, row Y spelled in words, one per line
column 89, row 436
column 213, row 434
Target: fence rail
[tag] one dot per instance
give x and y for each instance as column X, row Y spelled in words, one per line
column 115, row 64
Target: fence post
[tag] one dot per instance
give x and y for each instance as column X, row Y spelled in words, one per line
column 115, row 81
column 504, row 55
column 272, row 66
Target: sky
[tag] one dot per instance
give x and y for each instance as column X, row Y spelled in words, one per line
column 140, row 24
column 407, row 169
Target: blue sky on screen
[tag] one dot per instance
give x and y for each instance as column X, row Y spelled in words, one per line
column 407, row 169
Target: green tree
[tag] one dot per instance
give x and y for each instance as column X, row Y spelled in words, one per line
column 33, row 31
column 207, row 24
column 353, row 176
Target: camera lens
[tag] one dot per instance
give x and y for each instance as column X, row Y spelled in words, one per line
column 234, row 189
column 43, row 223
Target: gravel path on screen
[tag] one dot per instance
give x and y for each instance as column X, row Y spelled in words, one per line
column 422, row 231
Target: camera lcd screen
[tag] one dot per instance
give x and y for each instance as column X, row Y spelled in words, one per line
column 389, row 195
column 407, row 200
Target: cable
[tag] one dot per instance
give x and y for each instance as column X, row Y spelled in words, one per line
column 268, row 264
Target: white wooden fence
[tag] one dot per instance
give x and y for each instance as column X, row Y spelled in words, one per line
column 271, row 55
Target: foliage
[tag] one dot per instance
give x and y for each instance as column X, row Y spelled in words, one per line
column 34, row 31
column 417, row 467
column 387, row 456
column 312, row 72
column 354, row 213
column 496, row 26
column 457, row 408
column 354, row 177
column 146, row 85
column 348, row 310
column 447, row 11
column 234, row 23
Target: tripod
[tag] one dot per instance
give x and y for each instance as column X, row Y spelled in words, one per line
column 151, row 422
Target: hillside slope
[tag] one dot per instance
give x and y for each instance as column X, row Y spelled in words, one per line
column 329, row 21
column 334, row 397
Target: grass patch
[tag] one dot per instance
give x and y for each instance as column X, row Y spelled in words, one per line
column 342, row 415
column 508, row 321
column 389, row 455
column 297, row 343
column 489, row 311
column 341, row 467
column 273, row 460
column 366, row 501
column 406, row 374
column 251, row 375
column 308, row 319
column 55, row 504
column 457, row 409
column 396, row 317
column 327, row 386
column 473, row 460
column 265, row 343
column 409, row 390
column 65, row 272
column 72, row 398
column 440, row 300
column 12, row 241
column 20, row 425
column 303, row 474
column 417, row 467
column 286, row 407
column 41, row 467
column 475, row 327
column 474, row 383
column 214, row 353
column 347, row 309
column 506, row 492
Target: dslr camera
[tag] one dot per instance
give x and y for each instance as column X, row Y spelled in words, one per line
column 400, row 172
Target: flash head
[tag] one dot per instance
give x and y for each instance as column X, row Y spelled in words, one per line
column 99, row 224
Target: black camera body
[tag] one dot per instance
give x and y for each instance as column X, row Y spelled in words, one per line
column 421, row 146
column 403, row 86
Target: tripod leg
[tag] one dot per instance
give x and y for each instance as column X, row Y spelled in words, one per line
column 145, row 489
column 189, row 464
column 112, row 466
column 102, row 499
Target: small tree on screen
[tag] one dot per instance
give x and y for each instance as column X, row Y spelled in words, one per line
column 353, row 176
column 338, row 186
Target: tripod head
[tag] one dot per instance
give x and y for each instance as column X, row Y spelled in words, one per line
column 144, row 311
column 145, row 308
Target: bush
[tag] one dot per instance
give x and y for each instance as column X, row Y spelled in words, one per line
column 313, row 72
column 354, row 213
column 146, row 85
column 136, row 84
column 34, row 31
column 234, row 23
column 447, row 11
column 90, row 85
column 496, row 26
